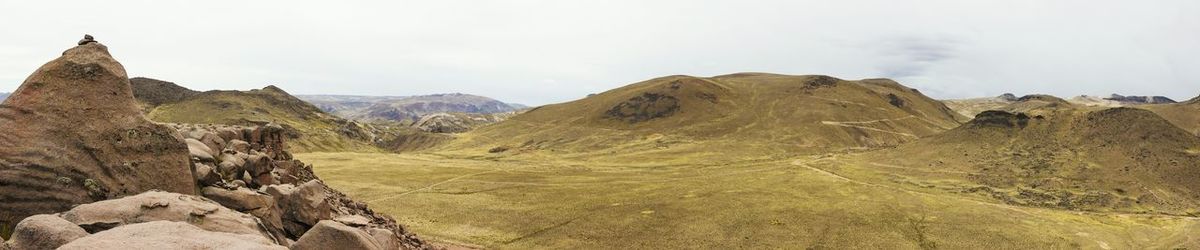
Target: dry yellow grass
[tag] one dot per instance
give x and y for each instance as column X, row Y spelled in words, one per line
column 800, row 203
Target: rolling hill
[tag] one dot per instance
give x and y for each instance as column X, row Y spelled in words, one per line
column 153, row 92
column 1042, row 153
column 722, row 162
column 309, row 127
column 971, row 106
column 1185, row 114
column 745, row 114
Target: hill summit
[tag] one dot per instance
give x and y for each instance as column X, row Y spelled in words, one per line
column 310, row 128
column 761, row 113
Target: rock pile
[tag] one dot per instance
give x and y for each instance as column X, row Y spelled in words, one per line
column 79, row 153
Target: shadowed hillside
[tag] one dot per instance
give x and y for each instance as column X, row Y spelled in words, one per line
column 746, row 114
column 153, row 92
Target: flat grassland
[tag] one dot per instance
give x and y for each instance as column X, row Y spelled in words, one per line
column 814, row 202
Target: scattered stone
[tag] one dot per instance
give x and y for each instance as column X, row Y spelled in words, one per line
column 86, row 40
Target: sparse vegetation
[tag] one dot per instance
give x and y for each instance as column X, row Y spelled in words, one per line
column 565, row 176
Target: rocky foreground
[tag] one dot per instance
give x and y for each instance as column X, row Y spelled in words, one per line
column 82, row 168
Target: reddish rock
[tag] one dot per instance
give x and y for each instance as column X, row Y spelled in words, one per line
column 74, row 134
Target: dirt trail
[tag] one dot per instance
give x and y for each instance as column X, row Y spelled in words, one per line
column 849, row 124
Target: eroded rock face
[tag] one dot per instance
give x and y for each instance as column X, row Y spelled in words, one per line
column 44, row 232
column 169, row 235
column 74, row 140
column 73, row 134
column 163, row 206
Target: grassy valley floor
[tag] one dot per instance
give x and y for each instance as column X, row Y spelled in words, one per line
column 807, row 202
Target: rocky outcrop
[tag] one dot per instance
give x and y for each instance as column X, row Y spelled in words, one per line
column 1139, row 99
column 1007, row 97
column 1041, row 97
column 169, row 235
column 442, row 123
column 73, row 134
column 163, row 206
column 75, row 142
column 645, row 107
column 1002, row 119
column 331, row 233
column 252, row 166
column 44, row 232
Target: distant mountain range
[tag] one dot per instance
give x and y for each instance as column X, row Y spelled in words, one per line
column 4, row 96
column 407, row 109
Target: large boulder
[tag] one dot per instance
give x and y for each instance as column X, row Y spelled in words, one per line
column 169, row 235
column 199, row 151
column 44, row 232
column 74, row 134
column 163, row 206
column 303, row 206
column 330, row 233
column 249, row 201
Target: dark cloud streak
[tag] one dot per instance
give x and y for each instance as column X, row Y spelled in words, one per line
column 913, row 56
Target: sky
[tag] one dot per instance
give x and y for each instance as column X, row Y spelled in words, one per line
column 540, row 52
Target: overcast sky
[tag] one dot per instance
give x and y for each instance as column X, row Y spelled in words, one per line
column 539, row 52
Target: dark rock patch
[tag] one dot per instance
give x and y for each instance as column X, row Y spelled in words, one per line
column 817, row 82
column 895, row 100
column 997, row 118
column 645, row 107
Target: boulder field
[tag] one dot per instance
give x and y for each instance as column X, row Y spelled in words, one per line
column 82, row 168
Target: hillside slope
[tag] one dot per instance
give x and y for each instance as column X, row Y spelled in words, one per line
column 153, row 92
column 1079, row 158
column 747, row 114
column 1186, row 114
column 309, row 127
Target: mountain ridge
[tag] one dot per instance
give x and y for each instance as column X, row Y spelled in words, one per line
column 406, row 109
